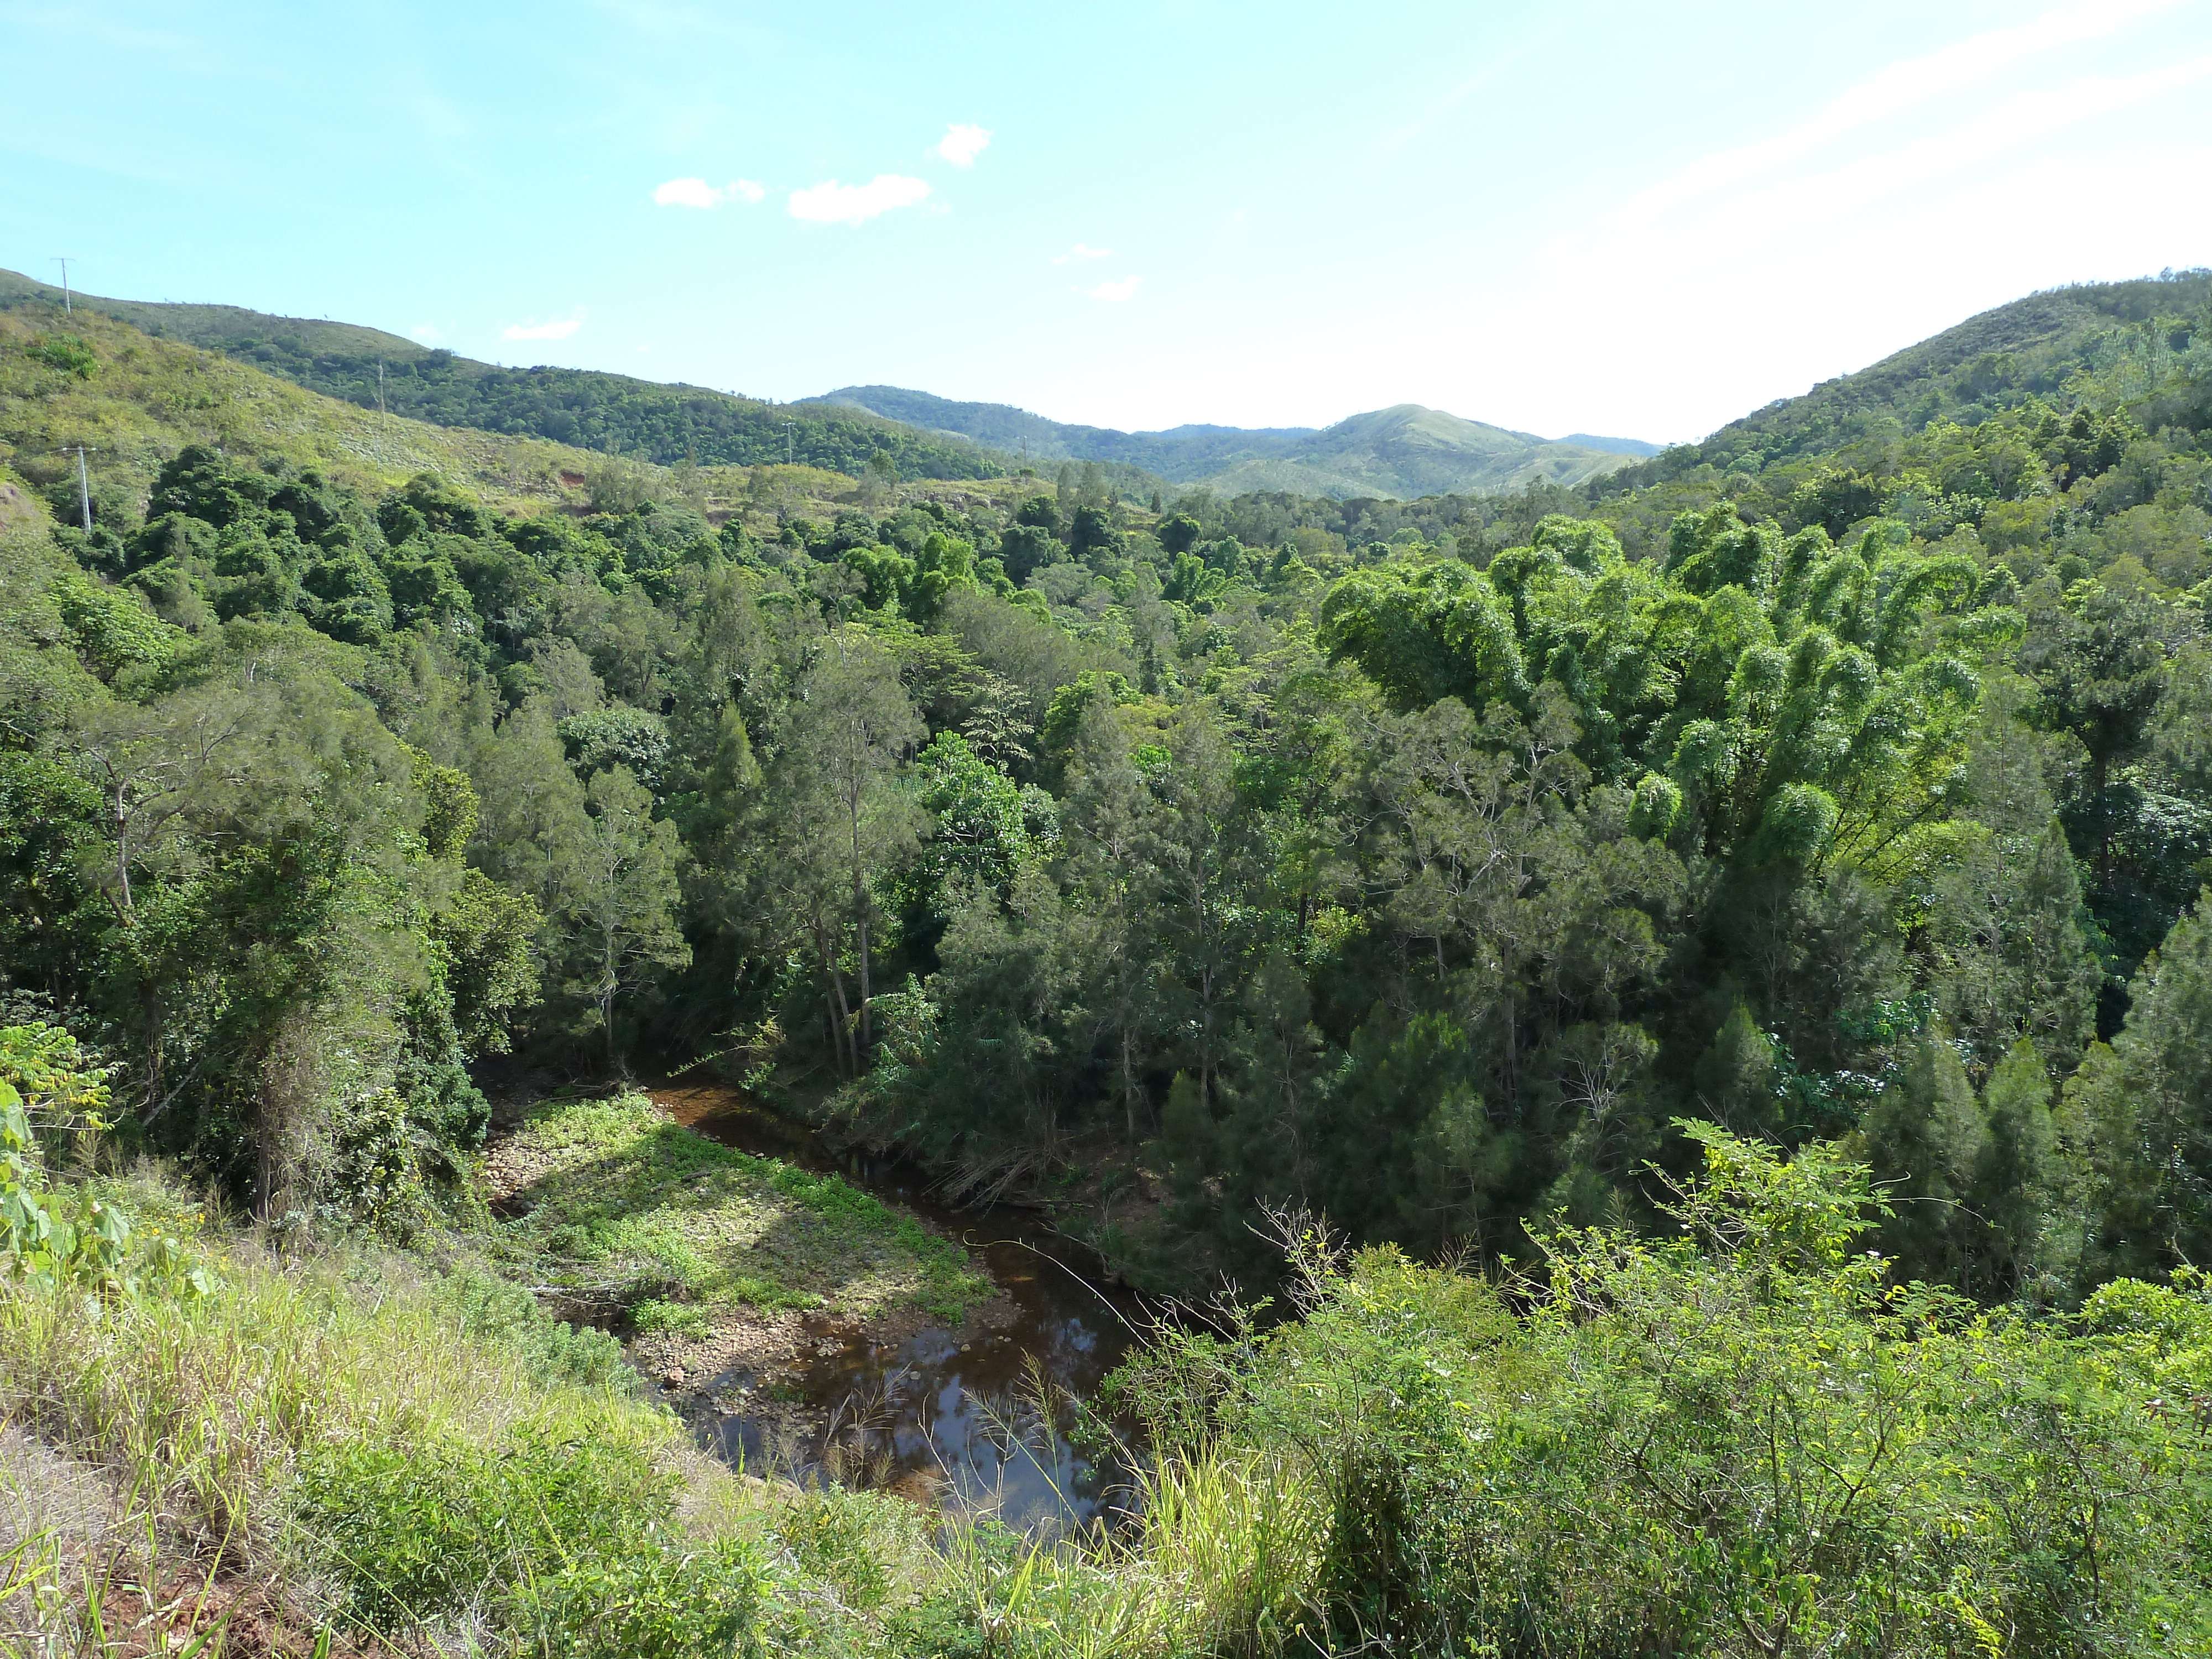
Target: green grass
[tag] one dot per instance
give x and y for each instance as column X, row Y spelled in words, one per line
column 400, row 1446
column 348, row 1447
column 625, row 1204
column 145, row 399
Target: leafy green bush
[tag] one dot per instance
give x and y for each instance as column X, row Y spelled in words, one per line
column 552, row 1351
column 53, row 1236
column 660, row 1316
column 570, row 1547
column 647, row 1602
column 69, row 353
column 1740, row 1438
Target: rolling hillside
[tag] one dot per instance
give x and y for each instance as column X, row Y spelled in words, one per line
column 1409, row 451
column 1179, row 455
column 139, row 399
column 1994, row 361
column 1403, row 452
column 582, row 408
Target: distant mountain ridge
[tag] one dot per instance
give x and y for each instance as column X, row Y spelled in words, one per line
column 1613, row 446
column 589, row 409
column 1405, row 451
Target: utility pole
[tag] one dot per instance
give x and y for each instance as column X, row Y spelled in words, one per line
column 380, row 387
column 84, row 488
column 787, row 460
column 67, row 309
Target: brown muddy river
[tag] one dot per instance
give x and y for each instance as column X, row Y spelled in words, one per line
column 975, row 1419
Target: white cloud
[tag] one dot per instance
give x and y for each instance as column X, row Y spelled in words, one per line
column 962, row 144
column 698, row 194
column 1114, row 293
column 560, row 330
column 1079, row 251
column 1889, row 94
column 832, row 204
column 2018, row 121
column 428, row 333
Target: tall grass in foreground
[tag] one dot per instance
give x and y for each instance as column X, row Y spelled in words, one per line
column 327, row 1428
column 356, row 1451
column 205, row 1405
column 1224, row 1559
column 1743, row 1440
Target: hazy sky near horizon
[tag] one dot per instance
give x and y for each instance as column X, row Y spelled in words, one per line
column 1629, row 219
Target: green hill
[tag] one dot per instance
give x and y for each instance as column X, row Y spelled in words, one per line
column 1181, row 454
column 1993, row 362
column 1402, row 451
column 584, row 407
column 134, row 401
column 1636, row 446
column 1405, row 452
column 1409, row 451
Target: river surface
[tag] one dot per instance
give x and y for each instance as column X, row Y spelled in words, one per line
column 977, row 1419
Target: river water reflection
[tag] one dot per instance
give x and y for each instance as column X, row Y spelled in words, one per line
column 975, row 1419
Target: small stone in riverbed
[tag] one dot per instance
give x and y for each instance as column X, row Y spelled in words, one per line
column 672, row 1377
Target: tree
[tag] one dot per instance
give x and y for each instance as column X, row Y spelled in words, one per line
column 2138, row 1116
column 157, row 766
column 532, row 807
column 1926, row 1139
column 839, row 819
column 1111, row 882
column 617, row 881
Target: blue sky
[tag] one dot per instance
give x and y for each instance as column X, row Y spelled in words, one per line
column 1626, row 219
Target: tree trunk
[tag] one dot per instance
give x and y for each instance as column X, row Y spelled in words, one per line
column 610, row 982
column 1512, row 1048
column 867, row 1048
column 847, row 1057
column 1129, row 1086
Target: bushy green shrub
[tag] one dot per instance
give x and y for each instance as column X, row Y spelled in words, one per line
column 418, row 1532
column 1741, row 1439
column 659, row 1315
column 552, row 1349
column 648, row 1602
column 570, row 1548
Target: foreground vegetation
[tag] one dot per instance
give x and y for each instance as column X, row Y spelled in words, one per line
column 1739, row 1438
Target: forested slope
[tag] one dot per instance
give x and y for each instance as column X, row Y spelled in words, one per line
column 1426, row 881
column 1991, row 362
column 1180, row 454
column 586, row 409
column 1760, row 916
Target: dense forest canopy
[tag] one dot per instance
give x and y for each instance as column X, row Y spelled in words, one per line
column 1428, row 863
